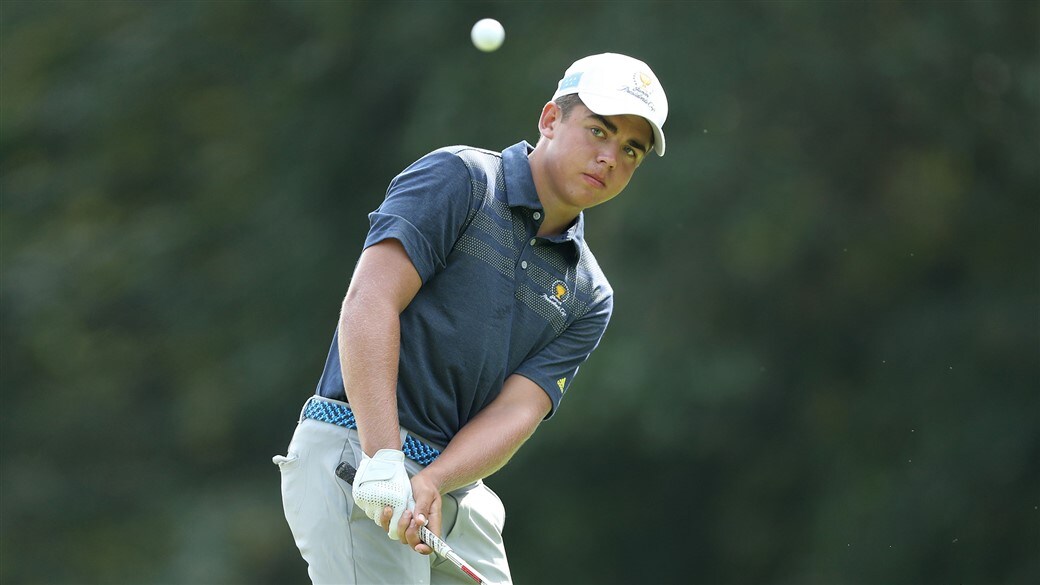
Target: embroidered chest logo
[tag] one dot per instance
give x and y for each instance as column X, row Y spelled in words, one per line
column 560, row 293
column 559, row 290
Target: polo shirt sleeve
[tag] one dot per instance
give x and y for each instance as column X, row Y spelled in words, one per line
column 425, row 208
column 555, row 366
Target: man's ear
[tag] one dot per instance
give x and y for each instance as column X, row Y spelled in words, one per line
column 551, row 116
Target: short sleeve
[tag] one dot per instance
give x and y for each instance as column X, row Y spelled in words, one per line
column 555, row 366
column 425, row 208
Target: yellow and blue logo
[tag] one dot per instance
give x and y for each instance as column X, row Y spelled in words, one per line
column 560, row 291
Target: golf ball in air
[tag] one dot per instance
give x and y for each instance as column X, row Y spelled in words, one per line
column 487, row 34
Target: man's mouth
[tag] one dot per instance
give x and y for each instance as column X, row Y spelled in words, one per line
column 595, row 180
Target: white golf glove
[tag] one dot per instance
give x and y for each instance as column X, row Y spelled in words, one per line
column 383, row 481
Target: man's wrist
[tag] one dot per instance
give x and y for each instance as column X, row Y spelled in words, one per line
column 372, row 443
column 431, row 475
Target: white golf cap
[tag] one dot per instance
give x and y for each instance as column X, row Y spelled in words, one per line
column 610, row 84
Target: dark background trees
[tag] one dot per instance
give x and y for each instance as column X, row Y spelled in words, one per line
column 824, row 361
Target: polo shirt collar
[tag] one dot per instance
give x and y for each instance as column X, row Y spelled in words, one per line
column 520, row 191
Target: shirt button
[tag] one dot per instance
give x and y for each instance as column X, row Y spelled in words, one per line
column 534, row 241
column 523, row 265
column 537, row 215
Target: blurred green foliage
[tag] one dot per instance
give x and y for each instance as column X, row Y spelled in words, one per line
column 824, row 362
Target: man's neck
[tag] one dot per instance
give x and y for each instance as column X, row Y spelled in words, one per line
column 550, row 227
column 557, row 218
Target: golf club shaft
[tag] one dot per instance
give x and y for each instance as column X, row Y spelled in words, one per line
column 346, row 472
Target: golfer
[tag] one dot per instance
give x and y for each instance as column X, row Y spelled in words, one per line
column 472, row 305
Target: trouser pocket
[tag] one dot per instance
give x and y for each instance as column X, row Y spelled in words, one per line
column 293, row 482
column 283, row 461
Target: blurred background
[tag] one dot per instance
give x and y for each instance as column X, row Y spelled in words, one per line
column 824, row 362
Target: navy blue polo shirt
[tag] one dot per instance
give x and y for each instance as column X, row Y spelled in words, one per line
column 495, row 300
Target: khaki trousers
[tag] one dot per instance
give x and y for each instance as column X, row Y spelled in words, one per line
column 343, row 546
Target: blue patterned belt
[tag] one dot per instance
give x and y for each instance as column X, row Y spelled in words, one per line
column 341, row 415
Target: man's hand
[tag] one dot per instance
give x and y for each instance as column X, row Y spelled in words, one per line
column 381, row 485
column 426, row 512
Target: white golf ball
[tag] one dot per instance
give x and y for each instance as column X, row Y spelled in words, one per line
column 487, row 34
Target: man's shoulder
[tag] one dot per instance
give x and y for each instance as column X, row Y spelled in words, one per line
column 460, row 163
column 477, row 160
column 483, row 166
column 591, row 275
column 462, row 150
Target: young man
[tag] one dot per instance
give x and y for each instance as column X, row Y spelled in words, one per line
column 471, row 308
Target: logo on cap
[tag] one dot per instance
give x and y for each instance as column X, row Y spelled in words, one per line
column 570, row 81
column 640, row 89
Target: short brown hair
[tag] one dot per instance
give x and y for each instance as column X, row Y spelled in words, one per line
column 568, row 102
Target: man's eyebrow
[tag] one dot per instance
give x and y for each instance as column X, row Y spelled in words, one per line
column 613, row 130
column 610, row 125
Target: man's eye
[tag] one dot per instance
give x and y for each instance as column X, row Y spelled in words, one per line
column 630, row 151
column 597, row 131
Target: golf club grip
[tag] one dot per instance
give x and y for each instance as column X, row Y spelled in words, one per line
column 346, row 472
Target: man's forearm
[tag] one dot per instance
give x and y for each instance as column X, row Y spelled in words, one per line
column 489, row 441
column 384, row 283
column 369, row 346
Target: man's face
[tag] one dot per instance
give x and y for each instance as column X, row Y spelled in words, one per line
column 591, row 158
